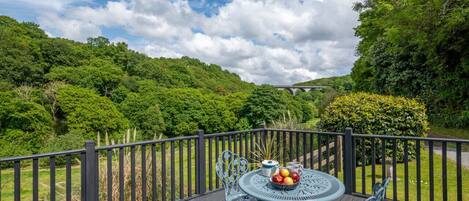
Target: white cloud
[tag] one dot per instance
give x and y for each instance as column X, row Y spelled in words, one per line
column 265, row 41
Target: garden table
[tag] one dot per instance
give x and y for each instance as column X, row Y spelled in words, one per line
column 314, row 185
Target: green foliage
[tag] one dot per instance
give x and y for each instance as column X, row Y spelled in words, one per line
column 266, row 104
column 86, row 111
column 377, row 114
column 99, row 74
column 185, row 110
column 70, row 141
column 416, row 49
column 23, row 121
column 143, row 113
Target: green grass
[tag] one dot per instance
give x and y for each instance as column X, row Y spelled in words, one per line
column 425, row 185
column 449, row 132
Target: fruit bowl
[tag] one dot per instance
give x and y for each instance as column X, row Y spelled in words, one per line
column 286, row 179
column 287, row 187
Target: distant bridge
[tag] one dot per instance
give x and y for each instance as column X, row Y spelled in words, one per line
column 293, row 89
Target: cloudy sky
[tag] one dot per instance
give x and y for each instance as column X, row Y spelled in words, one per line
column 264, row 41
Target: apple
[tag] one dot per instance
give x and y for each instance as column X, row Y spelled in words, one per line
column 295, row 176
column 288, row 181
column 277, row 178
column 284, row 172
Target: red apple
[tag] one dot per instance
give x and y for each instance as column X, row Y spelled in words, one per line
column 277, row 178
column 295, row 176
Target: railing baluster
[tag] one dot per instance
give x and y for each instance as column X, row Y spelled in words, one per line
column 241, row 150
column 430, row 171
column 394, row 171
column 459, row 170
column 52, row 178
column 363, row 162
column 336, row 156
column 251, row 147
column 373, row 163
column 109, row 174
column 406, row 171
column 210, row 167
column 235, row 146
column 383, row 159
column 196, row 166
column 132, row 173
column 68, row 178
column 304, row 150
column 36, row 180
column 311, row 147
column 189, row 168
column 443, row 172
column 297, row 144
column 354, row 164
column 328, row 153
column 163, row 171
column 319, row 153
column 121, row 174
column 217, row 182
column 181, row 169
column 284, row 147
column 173, row 174
column 229, row 142
column 83, row 176
column 419, row 181
column 290, row 141
column 17, row 180
column 154, row 194
column 144, row 173
column 246, row 146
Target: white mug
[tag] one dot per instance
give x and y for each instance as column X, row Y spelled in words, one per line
column 269, row 167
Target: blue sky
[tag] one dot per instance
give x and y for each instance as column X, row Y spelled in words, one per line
column 264, row 41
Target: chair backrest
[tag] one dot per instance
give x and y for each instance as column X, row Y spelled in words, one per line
column 230, row 167
column 379, row 191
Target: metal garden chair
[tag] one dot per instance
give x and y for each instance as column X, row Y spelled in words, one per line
column 230, row 167
column 379, row 191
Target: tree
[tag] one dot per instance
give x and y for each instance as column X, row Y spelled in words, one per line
column 267, row 103
column 416, row 49
column 144, row 114
column 101, row 75
column 86, row 111
column 23, row 122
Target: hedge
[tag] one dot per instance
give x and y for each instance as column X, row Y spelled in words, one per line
column 377, row 114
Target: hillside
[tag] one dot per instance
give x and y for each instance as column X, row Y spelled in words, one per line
column 55, row 93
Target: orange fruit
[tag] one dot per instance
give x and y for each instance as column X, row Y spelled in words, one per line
column 284, row 172
column 288, row 180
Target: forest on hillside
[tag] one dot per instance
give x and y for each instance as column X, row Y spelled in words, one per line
column 417, row 49
column 55, row 93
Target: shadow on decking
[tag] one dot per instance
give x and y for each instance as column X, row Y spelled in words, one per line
column 219, row 195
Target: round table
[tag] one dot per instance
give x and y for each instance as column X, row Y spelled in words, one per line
column 314, row 185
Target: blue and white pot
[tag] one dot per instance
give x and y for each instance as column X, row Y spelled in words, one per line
column 269, row 167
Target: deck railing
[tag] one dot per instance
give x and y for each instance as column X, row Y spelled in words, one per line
column 175, row 168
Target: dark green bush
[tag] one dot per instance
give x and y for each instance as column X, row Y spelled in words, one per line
column 377, row 114
column 69, row 141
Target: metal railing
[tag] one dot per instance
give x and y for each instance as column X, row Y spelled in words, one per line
column 183, row 167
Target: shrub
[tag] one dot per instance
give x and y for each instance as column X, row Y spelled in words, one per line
column 70, row 141
column 377, row 114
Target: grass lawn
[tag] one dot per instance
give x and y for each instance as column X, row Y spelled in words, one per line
column 425, row 186
column 450, row 132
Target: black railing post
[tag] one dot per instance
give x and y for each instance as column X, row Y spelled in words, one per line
column 201, row 162
column 348, row 165
column 91, row 172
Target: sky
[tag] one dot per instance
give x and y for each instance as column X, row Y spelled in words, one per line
column 264, row 41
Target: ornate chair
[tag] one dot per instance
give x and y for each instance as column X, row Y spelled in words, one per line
column 379, row 191
column 230, row 167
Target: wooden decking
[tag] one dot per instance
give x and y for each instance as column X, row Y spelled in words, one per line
column 220, row 196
